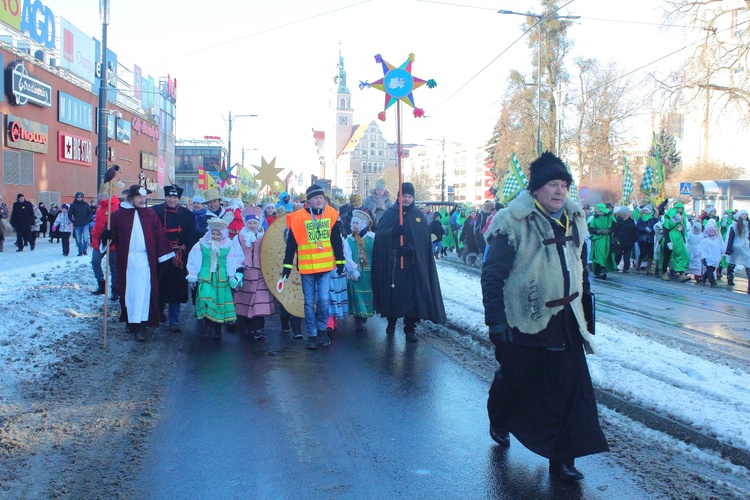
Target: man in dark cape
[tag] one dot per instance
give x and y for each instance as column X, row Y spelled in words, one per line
column 141, row 246
column 179, row 224
column 411, row 291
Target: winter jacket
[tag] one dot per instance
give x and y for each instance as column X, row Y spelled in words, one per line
column 436, row 230
column 738, row 247
column 22, row 216
column 377, row 205
column 645, row 228
column 80, row 213
column 711, row 250
column 100, row 223
column 63, row 224
column 625, row 232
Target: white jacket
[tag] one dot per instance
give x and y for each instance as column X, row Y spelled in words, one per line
column 712, row 250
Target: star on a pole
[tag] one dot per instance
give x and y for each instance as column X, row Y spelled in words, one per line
column 268, row 174
column 398, row 84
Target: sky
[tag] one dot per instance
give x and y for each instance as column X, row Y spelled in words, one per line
column 650, row 374
column 277, row 60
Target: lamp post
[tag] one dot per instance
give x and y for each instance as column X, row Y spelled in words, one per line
column 101, row 165
column 539, row 18
column 442, row 184
column 230, row 123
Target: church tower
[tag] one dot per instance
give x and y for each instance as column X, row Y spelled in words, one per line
column 343, row 106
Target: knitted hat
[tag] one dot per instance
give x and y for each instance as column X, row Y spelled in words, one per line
column 19, row 196
column 407, row 188
column 546, row 168
column 314, row 190
column 648, row 208
column 355, row 199
column 380, row 183
column 252, row 213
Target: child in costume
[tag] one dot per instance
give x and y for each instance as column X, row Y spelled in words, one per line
column 358, row 255
column 212, row 264
column 252, row 299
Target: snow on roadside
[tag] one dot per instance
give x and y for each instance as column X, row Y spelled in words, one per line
column 711, row 398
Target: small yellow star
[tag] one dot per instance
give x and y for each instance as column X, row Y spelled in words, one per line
column 268, row 174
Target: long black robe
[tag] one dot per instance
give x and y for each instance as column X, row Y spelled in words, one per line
column 157, row 248
column 416, row 293
column 179, row 224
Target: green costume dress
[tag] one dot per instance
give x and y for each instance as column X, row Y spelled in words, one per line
column 359, row 292
column 675, row 227
column 601, row 248
column 445, row 220
column 213, row 298
column 460, row 223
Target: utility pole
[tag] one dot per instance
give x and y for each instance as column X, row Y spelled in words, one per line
column 442, row 184
column 230, row 123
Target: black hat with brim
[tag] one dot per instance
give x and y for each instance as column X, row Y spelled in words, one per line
column 136, row 190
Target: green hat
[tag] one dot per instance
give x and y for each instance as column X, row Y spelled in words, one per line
column 602, row 208
column 679, row 205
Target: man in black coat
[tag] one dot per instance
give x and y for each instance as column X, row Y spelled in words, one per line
column 22, row 218
column 624, row 237
column 404, row 278
column 80, row 215
column 179, row 224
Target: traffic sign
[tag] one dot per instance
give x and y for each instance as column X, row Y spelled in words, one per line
column 583, row 192
column 686, row 188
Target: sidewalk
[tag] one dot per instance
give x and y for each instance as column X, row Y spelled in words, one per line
column 44, row 257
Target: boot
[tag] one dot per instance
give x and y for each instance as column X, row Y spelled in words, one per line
column 217, row 330
column 391, row 328
column 140, row 333
column 100, row 290
column 565, row 470
column 649, row 263
column 358, row 324
column 323, row 339
column 730, row 275
column 718, row 273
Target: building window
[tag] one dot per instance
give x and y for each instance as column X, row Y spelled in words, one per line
column 18, row 167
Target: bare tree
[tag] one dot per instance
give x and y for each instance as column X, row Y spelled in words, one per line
column 716, row 76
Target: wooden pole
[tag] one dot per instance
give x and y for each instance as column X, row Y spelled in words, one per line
column 400, row 174
column 106, row 261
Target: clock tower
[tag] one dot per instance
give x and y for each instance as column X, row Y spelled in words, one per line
column 344, row 112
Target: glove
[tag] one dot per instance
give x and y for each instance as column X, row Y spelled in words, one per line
column 728, row 252
column 235, row 281
column 285, row 272
column 105, row 236
column 398, row 230
column 500, row 334
column 670, row 245
column 340, row 269
column 703, row 261
column 648, row 229
column 404, row 251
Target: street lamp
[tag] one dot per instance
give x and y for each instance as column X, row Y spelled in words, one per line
column 539, row 18
column 230, row 122
column 442, row 188
column 101, row 165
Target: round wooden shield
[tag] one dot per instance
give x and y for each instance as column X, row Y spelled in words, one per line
column 272, row 250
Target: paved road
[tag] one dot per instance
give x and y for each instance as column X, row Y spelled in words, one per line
column 370, row 417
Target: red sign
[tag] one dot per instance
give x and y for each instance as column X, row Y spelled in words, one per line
column 212, row 137
column 73, row 149
column 27, row 134
column 143, row 127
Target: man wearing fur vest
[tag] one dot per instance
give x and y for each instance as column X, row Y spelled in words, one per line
column 533, row 281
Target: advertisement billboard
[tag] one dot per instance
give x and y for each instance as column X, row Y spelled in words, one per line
column 78, row 52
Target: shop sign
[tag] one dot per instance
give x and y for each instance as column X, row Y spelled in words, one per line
column 73, row 149
column 77, row 50
column 25, row 88
column 26, row 134
column 141, row 126
column 74, row 111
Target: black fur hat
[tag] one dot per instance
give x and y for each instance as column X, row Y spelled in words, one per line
column 547, row 167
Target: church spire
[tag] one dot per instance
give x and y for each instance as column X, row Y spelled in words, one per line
column 342, row 75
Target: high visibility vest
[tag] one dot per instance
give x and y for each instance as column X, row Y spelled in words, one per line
column 314, row 250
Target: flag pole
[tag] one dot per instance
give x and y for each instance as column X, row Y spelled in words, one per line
column 400, row 175
column 110, row 174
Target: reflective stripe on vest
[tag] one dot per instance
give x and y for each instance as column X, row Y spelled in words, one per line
column 310, row 258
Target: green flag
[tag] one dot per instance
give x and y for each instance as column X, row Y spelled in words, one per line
column 572, row 189
column 514, row 181
column 627, row 181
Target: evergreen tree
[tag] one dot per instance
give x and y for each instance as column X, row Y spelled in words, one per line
column 667, row 145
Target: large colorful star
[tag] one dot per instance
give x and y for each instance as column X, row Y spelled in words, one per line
column 224, row 173
column 398, row 84
column 268, row 174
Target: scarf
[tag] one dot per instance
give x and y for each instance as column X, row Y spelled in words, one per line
column 248, row 236
column 361, row 246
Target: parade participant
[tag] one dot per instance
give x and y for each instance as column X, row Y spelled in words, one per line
column 285, row 202
column 482, row 217
column 738, row 247
column 436, row 235
column 63, row 227
column 355, row 203
column 142, row 246
column 22, row 220
column 711, row 250
column 601, row 226
column 377, row 202
column 213, row 203
column 404, row 277
column 315, row 236
column 694, row 238
column 469, row 250
column 200, row 215
column 97, row 253
column 358, row 255
column 673, row 244
column 252, row 298
column 179, row 225
column 624, row 238
column 532, row 284
column 449, row 240
column 80, row 213
column 235, row 206
column 212, row 263
column 269, row 215
column 645, row 228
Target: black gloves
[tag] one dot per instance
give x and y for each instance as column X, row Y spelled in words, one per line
column 398, row 230
column 340, row 269
column 404, row 251
column 729, row 251
column 703, row 261
column 500, row 334
column 105, row 236
column 285, row 272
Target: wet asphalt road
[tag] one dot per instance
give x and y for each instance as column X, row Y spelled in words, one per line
column 369, row 417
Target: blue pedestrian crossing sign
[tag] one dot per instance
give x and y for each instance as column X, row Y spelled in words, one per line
column 686, row 187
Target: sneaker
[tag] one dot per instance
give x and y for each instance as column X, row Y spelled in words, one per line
column 666, row 277
column 323, row 338
column 298, row 335
column 286, row 331
column 312, row 343
column 259, row 334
